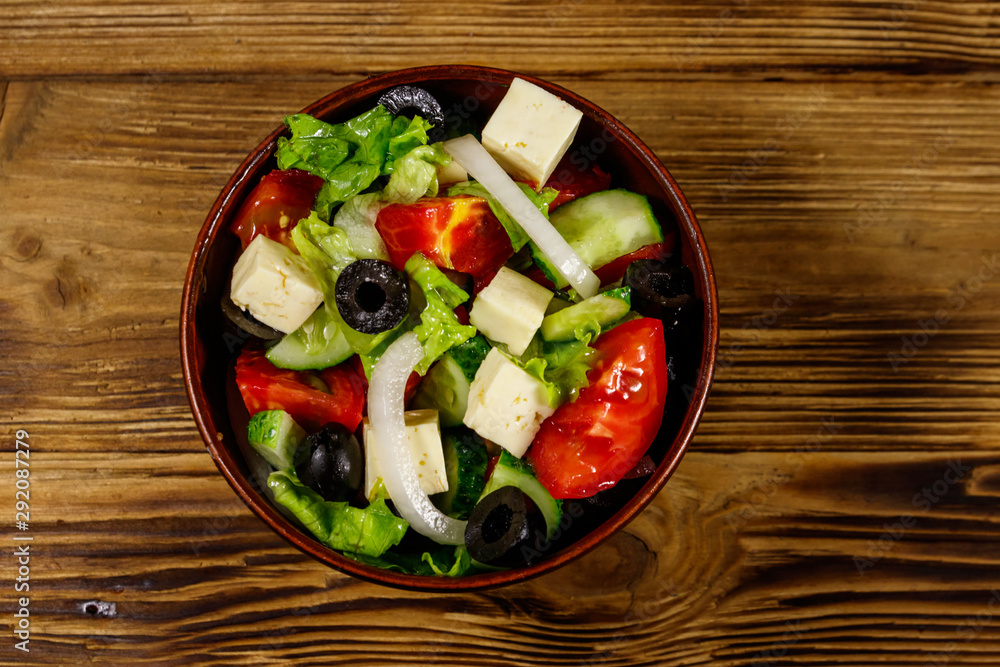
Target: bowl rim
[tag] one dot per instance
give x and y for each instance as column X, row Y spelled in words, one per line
column 229, row 466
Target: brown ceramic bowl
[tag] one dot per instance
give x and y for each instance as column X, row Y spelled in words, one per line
column 207, row 348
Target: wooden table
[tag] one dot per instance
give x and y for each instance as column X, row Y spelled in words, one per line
column 839, row 503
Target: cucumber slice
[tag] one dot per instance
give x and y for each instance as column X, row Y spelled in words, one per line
column 446, row 385
column 511, row 471
column 603, row 309
column 465, row 460
column 445, row 388
column 276, row 437
column 602, row 227
column 318, row 343
column 470, row 354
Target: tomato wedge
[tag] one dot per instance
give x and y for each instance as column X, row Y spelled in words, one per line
column 589, row 445
column 334, row 395
column 280, row 200
column 459, row 233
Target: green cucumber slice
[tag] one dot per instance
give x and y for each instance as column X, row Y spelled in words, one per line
column 470, row 354
column 602, row 227
column 445, row 388
column 465, row 460
column 276, row 437
column 603, row 309
column 318, row 343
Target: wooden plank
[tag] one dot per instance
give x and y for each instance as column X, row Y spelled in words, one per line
column 300, row 38
column 740, row 555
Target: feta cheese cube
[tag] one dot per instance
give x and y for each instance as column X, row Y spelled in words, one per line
column 510, row 309
column 424, row 440
column 275, row 285
column 530, row 131
column 506, row 405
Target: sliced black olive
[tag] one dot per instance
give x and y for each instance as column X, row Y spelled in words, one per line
column 372, row 295
column 333, row 464
column 247, row 322
column 409, row 101
column 663, row 291
column 501, row 528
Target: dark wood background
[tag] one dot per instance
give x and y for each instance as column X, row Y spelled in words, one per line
column 839, row 504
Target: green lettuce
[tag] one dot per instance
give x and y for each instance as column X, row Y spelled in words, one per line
column 443, row 562
column 561, row 367
column 405, row 135
column 327, row 249
column 518, row 237
column 371, row 531
column 349, row 156
column 439, row 329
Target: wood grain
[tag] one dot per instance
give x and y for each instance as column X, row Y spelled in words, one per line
column 838, row 506
column 295, row 38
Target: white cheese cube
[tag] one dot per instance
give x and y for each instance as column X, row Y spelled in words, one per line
column 424, row 440
column 530, row 131
column 275, row 285
column 510, row 309
column 506, row 405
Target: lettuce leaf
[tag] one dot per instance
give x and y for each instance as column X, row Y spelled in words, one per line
column 348, row 156
column 439, row 329
column 518, row 237
column 405, row 135
column 443, row 562
column 561, row 366
column 371, row 531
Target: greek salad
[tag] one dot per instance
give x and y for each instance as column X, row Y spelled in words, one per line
column 452, row 332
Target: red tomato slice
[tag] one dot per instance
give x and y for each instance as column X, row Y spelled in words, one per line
column 280, row 200
column 573, row 182
column 589, row 445
column 299, row 393
column 459, row 233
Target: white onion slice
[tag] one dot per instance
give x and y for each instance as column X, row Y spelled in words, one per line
column 476, row 160
column 388, row 434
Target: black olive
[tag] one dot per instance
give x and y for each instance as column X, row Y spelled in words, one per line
column 409, row 101
column 501, row 528
column 372, row 295
column 247, row 322
column 663, row 291
column 333, row 464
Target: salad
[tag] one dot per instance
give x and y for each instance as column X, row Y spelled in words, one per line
column 456, row 336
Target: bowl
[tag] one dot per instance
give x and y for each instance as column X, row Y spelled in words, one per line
column 469, row 93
